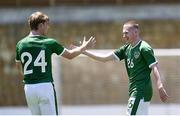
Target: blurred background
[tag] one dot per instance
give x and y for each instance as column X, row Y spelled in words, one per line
column 85, row 86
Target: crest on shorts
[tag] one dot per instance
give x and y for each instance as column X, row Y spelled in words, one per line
column 136, row 55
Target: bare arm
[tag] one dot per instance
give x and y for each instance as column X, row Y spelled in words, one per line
column 19, row 67
column 70, row 54
column 100, row 57
column 162, row 92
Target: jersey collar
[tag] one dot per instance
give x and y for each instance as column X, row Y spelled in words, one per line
column 31, row 35
column 136, row 44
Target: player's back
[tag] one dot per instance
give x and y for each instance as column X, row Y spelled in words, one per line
column 35, row 55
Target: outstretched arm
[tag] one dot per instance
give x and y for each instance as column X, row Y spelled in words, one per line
column 162, row 92
column 100, row 57
column 70, row 54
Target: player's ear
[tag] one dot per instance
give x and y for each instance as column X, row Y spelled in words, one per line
column 136, row 31
column 40, row 26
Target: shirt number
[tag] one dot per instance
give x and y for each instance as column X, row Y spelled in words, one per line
column 130, row 63
column 39, row 61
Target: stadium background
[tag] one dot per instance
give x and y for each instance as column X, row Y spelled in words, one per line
column 84, row 81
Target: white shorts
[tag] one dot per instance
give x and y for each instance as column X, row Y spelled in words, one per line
column 137, row 106
column 41, row 98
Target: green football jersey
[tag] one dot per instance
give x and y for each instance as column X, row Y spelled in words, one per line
column 138, row 60
column 34, row 53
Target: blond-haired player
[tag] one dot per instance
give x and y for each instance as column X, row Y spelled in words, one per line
column 33, row 53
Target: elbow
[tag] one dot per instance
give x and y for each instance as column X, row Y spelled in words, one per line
column 70, row 58
column 104, row 60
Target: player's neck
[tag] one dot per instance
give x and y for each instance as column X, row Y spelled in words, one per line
column 35, row 33
column 135, row 42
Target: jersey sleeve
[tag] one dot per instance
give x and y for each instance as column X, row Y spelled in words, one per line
column 148, row 55
column 120, row 53
column 57, row 48
column 17, row 58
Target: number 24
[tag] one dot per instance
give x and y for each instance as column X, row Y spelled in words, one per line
column 39, row 61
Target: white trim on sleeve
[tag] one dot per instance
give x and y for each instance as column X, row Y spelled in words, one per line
column 62, row 52
column 17, row 60
column 153, row 64
column 116, row 57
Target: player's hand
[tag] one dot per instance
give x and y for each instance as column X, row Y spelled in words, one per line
column 88, row 44
column 163, row 94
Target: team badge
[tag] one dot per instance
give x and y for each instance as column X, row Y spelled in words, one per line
column 136, row 55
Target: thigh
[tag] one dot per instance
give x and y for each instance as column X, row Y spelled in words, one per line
column 32, row 100
column 143, row 108
column 47, row 100
column 133, row 105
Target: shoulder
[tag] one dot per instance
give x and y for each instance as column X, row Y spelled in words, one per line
column 125, row 46
column 20, row 42
column 145, row 46
column 53, row 43
column 122, row 49
column 50, row 40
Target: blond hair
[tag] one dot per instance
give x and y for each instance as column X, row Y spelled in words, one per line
column 36, row 18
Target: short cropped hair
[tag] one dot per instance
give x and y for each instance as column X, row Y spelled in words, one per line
column 36, row 18
column 133, row 23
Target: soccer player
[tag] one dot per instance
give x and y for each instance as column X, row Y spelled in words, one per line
column 33, row 53
column 139, row 61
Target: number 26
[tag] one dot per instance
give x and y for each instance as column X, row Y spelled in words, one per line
column 130, row 63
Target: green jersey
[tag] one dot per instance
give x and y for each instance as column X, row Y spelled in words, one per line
column 138, row 60
column 34, row 52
